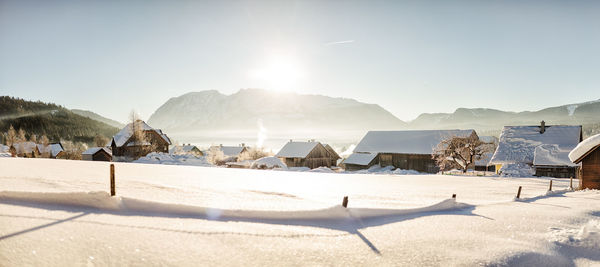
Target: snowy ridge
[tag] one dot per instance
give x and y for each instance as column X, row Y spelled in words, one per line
column 103, row 201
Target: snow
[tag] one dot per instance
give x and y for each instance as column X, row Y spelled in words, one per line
column 4, row 148
column 584, row 147
column 173, row 159
column 516, row 170
column 551, row 155
column 407, row 142
column 268, row 163
column 25, row 147
column 59, row 213
column 518, row 143
column 296, row 149
column 182, row 149
column 360, row 158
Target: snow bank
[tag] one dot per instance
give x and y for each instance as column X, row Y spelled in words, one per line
column 103, row 201
column 584, row 147
column 377, row 169
column 170, row 159
column 516, row 170
column 268, row 163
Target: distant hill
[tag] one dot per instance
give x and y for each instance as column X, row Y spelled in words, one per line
column 211, row 110
column 481, row 119
column 54, row 121
column 94, row 116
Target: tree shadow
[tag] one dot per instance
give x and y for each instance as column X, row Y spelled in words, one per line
column 43, row 226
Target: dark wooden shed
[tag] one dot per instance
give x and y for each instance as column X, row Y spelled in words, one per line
column 97, row 154
column 588, row 154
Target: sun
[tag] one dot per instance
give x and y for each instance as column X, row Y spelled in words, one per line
column 279, row 72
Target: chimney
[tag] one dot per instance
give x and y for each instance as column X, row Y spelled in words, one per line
column 542, row 127
column 242, row 145
column 220, row 145
column 291, row 140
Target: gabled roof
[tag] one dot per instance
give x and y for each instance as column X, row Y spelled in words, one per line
column 53, row 149
column 183, row 149
column 125, row 134
column 295, row 149
column 94, row 150
column 25, row 147
column 362, row 159
column 229, row 151
column 406, row 142
column 517, row 144
column 584, row 148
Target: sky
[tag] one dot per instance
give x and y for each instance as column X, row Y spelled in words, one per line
column 410, row 57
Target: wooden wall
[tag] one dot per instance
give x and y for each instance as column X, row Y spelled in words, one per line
column 590, row 170
column 318, row 157
column 417, row 162
column 557, row 172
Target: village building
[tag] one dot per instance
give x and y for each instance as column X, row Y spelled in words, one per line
column 132, row 146
column 334, row 155
column 186, row 149
column 25, row 150
column 543, row 148
column 97, row 154
column 52, row 151
column 230, row 153
column 408, row 150
column 587, row 153
column 309, row 154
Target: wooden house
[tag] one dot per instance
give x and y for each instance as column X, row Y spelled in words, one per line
column 587, row 153
column 97, row 154
column 230, row 153
column 25, row 150
column 51, row 150
column 309, row 154
column 543, row 148
column 409, row 150
column 132, row 146
column 186, row 149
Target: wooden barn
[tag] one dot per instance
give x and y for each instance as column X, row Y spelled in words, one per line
column 409, row 150
column 97, row 154
column 587, row 153
column 542, row 147
column 309, row 154
column 484, row 163
column 132, row 146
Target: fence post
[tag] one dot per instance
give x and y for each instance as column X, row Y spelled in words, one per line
column 345, row 202
column 519, row 192
column 550, row 189
column 453, row 195
column 112, row 179
column 571, row 184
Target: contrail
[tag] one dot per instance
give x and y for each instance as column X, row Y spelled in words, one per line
column 340, row 42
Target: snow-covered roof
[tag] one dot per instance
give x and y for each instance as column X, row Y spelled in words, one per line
column 53, row 149
column 488, row 139
column 295, row 149
column 229, row 151
column 406, row 142
column 517, row 143
column 25, row 147
column 360, row 158
column 183, row 149
column 583, row 148
column 122, row 136
column 4, row 148
column 485, row 159
column 551, row 155
column 94, row 150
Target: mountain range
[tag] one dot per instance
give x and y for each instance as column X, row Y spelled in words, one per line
column 211, row 110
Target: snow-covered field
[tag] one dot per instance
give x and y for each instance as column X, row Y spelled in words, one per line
column 57, row 212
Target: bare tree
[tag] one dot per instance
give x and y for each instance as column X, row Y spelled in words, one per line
column 215, row 156
column 253, row 153
column 100, row 140
column 44, row 140
column 460, row 152
column 33, row 138
column 11, row 136
column 73, row 150
column 21, row 135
